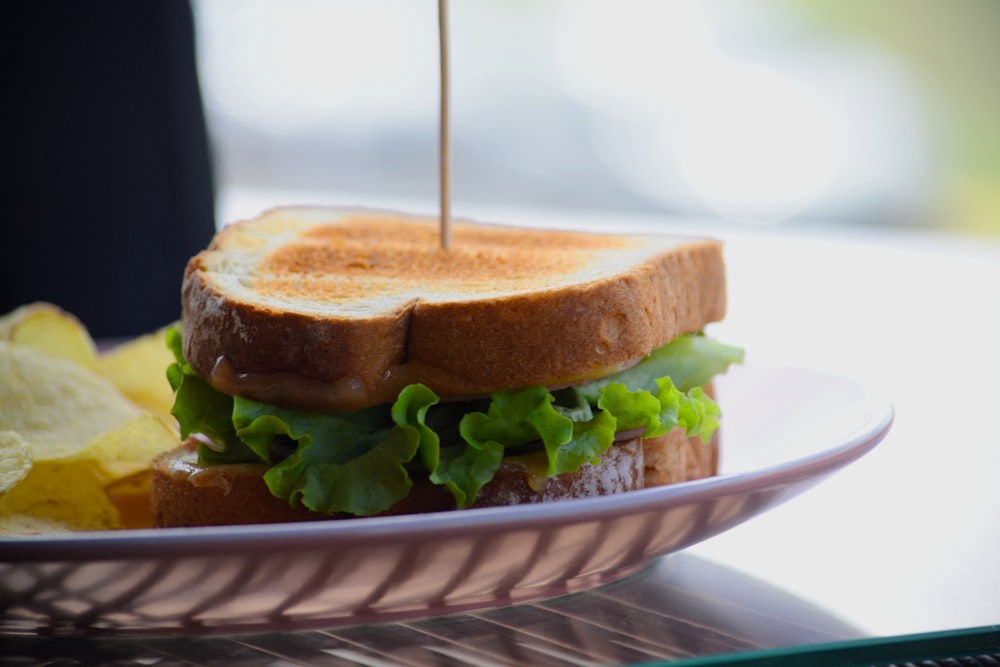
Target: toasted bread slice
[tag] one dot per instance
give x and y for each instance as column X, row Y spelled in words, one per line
column 333, row 309
column 187, row 494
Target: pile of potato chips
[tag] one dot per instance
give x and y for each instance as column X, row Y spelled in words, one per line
column 78, row 428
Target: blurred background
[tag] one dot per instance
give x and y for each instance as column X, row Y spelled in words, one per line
column 847, row 151
column 762, row 112
column 133, row 130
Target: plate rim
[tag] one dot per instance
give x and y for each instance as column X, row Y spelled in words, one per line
column 158, row 543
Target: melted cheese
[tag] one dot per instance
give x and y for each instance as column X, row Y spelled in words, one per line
column 353, row 393
column 185, row 468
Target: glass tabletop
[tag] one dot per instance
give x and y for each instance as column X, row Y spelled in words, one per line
column 679, row 606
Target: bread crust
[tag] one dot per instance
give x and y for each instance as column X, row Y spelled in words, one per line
column 673, row 458
column 465, row 346
column 231, row 495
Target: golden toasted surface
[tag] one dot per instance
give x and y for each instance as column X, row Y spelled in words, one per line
column 350, row 258
column 336, row 309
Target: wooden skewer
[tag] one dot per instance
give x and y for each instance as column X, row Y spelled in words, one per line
column 444, row 147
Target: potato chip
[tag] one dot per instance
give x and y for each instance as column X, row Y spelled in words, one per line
column 139, row 369
column 76, row 446
column 130, row 496
column 56, row 497
column 128, row 448
column 103, row 486
column 49, row 328
column 15, row 460
column 56, row 405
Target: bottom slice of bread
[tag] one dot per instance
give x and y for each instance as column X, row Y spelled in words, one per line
column 185, row 493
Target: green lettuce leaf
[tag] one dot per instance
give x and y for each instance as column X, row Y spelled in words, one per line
column 410, row 412
column 690, row 360
column 590, row 440
column 351, row 462
column 698, row 414
column 360, row 462
column 694, row 411
column 516, row 418
column 462, row 469
column 346, row 434
column 632, row 409
column 201, row 409
column 315, row 476
column 531, row 415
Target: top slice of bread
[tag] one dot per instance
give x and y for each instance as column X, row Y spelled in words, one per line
column 337, row 309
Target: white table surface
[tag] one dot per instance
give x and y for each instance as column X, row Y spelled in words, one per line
column 906, row 540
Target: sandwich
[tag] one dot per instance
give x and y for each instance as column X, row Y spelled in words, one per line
column 338, row 363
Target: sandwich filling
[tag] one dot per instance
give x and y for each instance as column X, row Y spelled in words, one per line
column 363, row 462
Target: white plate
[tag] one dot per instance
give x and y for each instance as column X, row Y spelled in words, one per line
column 784, row 430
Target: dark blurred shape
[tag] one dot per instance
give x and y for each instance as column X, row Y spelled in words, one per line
column 106, row 181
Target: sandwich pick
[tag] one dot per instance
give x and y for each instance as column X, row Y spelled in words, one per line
column 342, row 364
